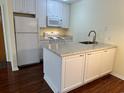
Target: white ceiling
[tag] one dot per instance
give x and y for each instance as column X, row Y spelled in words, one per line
column 68, row 1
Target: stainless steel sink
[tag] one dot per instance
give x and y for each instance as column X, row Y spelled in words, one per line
column 88, row 42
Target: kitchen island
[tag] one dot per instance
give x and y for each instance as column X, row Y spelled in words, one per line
column 70, row 65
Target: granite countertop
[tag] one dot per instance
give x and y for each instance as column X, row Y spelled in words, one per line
column 70, row 48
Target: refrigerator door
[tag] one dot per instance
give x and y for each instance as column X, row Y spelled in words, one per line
column 27, row 48
column 25, row 24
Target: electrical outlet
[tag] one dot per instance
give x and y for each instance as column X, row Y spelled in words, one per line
column 109, row 38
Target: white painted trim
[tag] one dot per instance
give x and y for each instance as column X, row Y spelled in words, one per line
column 50, row 84
column 66, row 90
column 12, row 55
column 4, row 32
column 15, row 69
column 118, row 75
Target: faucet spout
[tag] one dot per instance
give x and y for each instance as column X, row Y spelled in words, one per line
column 94, row 38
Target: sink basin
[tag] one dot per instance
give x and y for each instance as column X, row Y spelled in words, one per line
column 88, row 42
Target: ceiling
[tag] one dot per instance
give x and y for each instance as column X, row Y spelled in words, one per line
column 68, row 1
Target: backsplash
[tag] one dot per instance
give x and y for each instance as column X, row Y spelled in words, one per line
column 54, row 31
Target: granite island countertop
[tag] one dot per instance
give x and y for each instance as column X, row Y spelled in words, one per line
column 71, row 48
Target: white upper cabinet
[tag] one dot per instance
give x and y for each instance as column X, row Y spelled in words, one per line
column 41, row 12
column 65, row 15
column 24, row 6
column 47, row 11
column 60, row 11
column 54, row 8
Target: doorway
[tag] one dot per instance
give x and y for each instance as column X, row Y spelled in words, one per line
column 2, row 43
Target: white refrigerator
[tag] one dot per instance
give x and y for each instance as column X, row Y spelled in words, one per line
column 27, row 40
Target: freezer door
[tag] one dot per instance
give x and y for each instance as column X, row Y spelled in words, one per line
column 25, row 24
column 27, row 49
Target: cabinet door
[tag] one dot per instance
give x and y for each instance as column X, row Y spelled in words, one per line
column 59, row 10
column 107, row 59
column 17, row 5
column 41, row 12
column 74, row 66
column 24, row 6
column 65, row 15
column 30, row 6
column 52, row 8
column 92, row 67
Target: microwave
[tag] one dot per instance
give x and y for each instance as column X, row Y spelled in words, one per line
column 54, row 21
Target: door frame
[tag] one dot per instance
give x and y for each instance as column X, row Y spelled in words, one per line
column 4, row 32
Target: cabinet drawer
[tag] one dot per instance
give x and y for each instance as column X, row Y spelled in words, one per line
column 74, row 57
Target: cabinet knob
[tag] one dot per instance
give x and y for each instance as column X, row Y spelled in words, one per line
column 81, row 55
column 89, row 54
column 105, row 51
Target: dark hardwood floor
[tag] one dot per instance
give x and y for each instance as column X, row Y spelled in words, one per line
column 30, row 80
column 26, row 80
column 107, row 84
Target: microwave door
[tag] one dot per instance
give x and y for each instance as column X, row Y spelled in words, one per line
column 54, row 22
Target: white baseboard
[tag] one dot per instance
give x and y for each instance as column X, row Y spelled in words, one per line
column 118, row 75
column 15, row 68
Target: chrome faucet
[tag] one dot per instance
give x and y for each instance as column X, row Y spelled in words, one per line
column 94, row 38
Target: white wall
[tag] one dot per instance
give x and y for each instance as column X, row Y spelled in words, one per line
column 9, row 32
column 104, row 16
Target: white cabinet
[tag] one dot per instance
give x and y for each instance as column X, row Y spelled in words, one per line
column 41, row 12
column 24, row 6
column 107, row 59
column 98, row 64
column 74, row 66
column 17, row 5
column 64, row 74
column 92, row 67
column 56, row 9
column 65, row 15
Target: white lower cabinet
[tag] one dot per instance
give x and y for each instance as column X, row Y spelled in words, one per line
column 73, row 68
column 98, row 64
column 92, row 67
column 64, row 74
column 107, row 59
